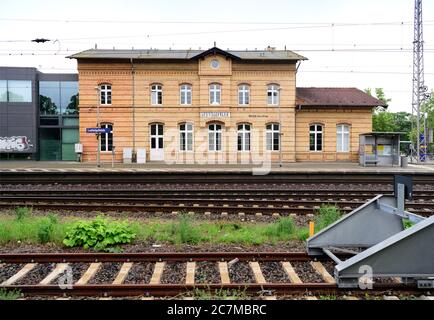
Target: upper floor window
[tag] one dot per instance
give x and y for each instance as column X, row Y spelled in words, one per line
column 186, row 137
column 243, row 94
column 273, row 94
column 214, row 137
column 273, row 137
column 215, row 90
column 342, row 138
column 107, row 138
column 315, row 137
column 185, row 93
column 15, row 91
column 58, row 97
column 105, row 94
column 243, row 137
column 156, row 94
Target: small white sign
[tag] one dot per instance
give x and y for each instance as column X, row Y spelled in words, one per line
column 215, row 114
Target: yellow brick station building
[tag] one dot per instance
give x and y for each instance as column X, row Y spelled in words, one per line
column 214, row 106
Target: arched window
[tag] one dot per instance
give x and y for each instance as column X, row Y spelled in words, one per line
column 215, row 91
column 273, row 94
column 273, row 137
column 107, row 137
column 215, row 137
column 243, row 137
column 185, row 94
column 105, row 94
column 243, row 94
column 156, row 94
column 315, row 137
column 186, row 137
column 342, row 138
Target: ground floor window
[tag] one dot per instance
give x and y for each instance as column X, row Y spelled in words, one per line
column 343, row 138
column 273, row 137
column 214, row 137
column 107, row 138
column 243, row 137
column 186, row 137
column 315, row 137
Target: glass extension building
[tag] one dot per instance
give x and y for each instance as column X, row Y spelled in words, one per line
column 39, row 115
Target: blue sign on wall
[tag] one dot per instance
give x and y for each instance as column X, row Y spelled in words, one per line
column 98, row 130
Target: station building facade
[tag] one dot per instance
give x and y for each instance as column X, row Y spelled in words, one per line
column 214, row 106
column 38, row 114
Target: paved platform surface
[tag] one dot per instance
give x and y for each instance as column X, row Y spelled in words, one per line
column 299, row 167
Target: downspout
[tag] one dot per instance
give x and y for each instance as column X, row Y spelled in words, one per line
column 295, row 113
column 134, row 109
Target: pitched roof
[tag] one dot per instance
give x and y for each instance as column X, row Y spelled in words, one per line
column 336, row 97
column 157, row 54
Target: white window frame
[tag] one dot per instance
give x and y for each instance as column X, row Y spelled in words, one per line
column 273, row 94
column 343, row 130
column 185, row 94
column 315, row 132
column 270, row 134
column 105, row 148
column 215, row 133
column 105, row 90
column 245, row 134
column 215, row 91
column 187, row 132
column 243, row 94
column 156, row 90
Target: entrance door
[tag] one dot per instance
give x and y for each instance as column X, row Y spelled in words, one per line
column 157, row 149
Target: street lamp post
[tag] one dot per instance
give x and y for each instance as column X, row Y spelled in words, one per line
column 98, row 135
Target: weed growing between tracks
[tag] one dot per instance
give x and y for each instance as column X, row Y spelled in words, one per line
column 9, row 294
column 23, row 227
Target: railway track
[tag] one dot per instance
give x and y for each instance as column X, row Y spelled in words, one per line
column 171, row 274
column 126, row 176
column 199, row 201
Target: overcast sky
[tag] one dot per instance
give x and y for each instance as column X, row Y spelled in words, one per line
column 349, row 43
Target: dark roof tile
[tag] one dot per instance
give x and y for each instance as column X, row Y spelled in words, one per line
column 336, row 97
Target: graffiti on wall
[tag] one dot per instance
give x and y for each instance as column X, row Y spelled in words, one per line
column 15, row 143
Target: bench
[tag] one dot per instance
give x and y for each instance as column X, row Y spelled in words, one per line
column 370, row 160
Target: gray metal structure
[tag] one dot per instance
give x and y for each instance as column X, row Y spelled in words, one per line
column 419, row 89
column 389, row 250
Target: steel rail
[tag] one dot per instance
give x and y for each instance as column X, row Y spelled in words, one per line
column 152, row 257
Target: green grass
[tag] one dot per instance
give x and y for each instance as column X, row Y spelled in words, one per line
column 9, row 294
column 183, row 230
column 219, row 294
column 327, row 214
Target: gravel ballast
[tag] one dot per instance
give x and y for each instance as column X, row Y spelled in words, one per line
column 37, row 274
column 106, row 273
column 306, row 272
column 7, row 270
column 140, row 273
column 207, row 272
column 174, row 272
column 240, row 272
column 273, row 272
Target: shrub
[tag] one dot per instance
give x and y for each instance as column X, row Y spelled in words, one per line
column 22, row 212
column 184, row 231
column 46, row 228
column 99, row 234
column 327, row 215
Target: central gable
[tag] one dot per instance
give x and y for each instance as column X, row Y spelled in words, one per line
column 215, row 62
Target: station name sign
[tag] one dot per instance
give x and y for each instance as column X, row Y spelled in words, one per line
column 98, row 130
column 215, row 114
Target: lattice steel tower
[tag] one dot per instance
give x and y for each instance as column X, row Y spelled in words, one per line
column 419, row 88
